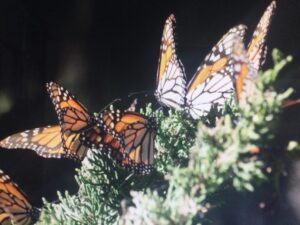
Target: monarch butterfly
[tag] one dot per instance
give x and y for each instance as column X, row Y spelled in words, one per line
column 79, row 131
column 170, row 78
column 255, row 53
column 69, row 140
column 211, row 84
column 75, row 122
column 257, row 48
column 57, row 141
column 15, row 204
column 137, row 132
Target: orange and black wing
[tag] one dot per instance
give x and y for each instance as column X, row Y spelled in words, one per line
column 15, row 203
column 4, row 218
column 257, row 47
column 74, row 120
column 170, row 78
column 133, row 135
column 212, row 82
column 138, row 150
column 72, row 114
column 244, row 73
column 45, row 141
column 167, row 47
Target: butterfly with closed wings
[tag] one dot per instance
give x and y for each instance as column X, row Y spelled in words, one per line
column 212, row 82
column 250, row 61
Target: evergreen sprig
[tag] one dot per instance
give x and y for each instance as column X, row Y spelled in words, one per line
column 193, row 162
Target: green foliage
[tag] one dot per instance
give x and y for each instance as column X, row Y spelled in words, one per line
column 192, row 163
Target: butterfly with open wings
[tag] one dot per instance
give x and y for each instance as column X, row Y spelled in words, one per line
column 127, row 136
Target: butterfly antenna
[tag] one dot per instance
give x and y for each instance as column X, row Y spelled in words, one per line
column 133, row 105
column 160, row 106
column 109, row 104
column 140, row 92
column 289, row 103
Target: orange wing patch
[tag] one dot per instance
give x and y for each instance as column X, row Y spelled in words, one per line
column 213, row 82
column 75, row 122
column 45, row 141
column 245, row 73
column 167, row 47
column 4, row 218
column 257, row 46
column 240, row 80
column 207, row 71
column 131, row 139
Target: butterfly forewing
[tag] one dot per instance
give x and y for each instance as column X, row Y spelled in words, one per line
column 257, row 48
column 75, row 122
column 167, row 47
column 170, row 80
column 212, row 83
column 248, row 62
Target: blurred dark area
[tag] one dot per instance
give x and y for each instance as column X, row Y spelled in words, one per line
column 103, row 50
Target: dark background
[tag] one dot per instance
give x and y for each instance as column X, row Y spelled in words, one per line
column 102, row 50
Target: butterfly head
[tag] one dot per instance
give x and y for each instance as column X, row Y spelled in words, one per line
column 152, row 124
column 34, row 214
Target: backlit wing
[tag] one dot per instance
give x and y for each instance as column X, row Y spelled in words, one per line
column 133, row 136
column 212, row 83
column 45, row 141
column 74, row 120
column 170, row 78
column 138, row 150
column 257, row 48
column 245, row 73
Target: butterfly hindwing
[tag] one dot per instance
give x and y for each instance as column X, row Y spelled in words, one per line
column 4, row 218
column 257, row 48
